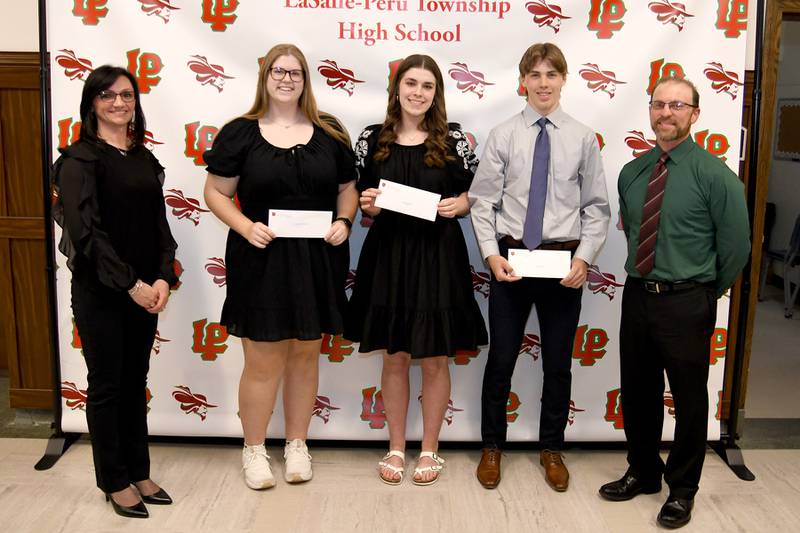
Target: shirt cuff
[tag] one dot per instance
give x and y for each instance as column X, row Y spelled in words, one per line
column 586, row 252
column 489, row 247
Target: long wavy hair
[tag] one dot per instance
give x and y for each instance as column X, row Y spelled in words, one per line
column 98, row 81
column 435, row 121
column 307, row 103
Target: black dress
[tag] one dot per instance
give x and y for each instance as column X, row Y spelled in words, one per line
column 293, row 288
column 413, row 288
column 111, row 208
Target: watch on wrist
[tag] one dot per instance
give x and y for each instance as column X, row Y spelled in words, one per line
column 346, row 221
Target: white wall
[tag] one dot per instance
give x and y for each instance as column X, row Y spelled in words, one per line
column 784, row 180
column 19, row 26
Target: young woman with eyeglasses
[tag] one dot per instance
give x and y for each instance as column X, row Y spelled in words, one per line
column 118, row 244
column 283, row 293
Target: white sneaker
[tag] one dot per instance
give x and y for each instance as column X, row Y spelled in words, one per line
column 255, row 463
column 298, row 462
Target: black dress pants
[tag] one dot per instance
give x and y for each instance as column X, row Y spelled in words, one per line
column 117, row 336
column 668, row 332
column 558, row 309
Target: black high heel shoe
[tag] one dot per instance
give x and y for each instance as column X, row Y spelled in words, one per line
column 157, row 498
column 135, row 511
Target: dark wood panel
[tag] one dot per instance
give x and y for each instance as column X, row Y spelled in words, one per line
column 19, row 70
column 8, row 320
column 21, row 228
column 22, row 148
column 3, row 186
column 24, row 316
column 30, row 398
column 736, row 290
column 30, row 302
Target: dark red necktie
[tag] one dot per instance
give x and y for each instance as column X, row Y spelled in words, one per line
column 651, row 213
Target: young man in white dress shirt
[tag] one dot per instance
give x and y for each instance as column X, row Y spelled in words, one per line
column 540, row 185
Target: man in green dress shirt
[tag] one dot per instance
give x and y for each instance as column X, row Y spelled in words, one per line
column 686, row 222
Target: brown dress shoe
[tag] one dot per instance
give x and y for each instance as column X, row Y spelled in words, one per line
column 489, row 468
column 555, row 471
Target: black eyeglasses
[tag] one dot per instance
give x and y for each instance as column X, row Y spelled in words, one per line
column 677, row 105
column 278, row 73
column 110, row 96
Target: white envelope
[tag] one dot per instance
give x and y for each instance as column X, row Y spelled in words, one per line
column 540, row 263
column 407, row 200
column 298, row 223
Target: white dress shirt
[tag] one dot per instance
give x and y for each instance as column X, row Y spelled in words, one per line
column 576, row 207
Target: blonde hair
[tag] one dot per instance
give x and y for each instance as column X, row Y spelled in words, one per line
column 307, row 103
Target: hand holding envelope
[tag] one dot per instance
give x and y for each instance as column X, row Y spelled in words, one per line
column 407, row 200
column 539, row 263
column 296, row 223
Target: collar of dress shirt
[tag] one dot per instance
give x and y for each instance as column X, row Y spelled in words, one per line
column 556, row 117
column 679, row 152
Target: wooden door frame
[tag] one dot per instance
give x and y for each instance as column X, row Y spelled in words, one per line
column 776, row 12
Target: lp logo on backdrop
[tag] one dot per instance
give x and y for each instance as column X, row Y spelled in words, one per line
column 145, row 66
column 219, row 13
column 660, row 69
column 90, row 11
column 605, row 17
column 732, row 17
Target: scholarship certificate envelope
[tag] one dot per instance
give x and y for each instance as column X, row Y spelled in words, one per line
column 540, row 263
column 407, row 200
column 297, row 223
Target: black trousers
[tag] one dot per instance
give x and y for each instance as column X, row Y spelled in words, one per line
column 558, row 309
column 117, row 336
column 668, row 332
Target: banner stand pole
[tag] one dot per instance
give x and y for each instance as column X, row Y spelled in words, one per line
column 59, row 441
column 727, row 448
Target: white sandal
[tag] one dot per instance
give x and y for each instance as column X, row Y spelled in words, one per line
column 384, row 463
column 418, row 471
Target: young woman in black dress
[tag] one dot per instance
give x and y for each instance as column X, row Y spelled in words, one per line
column 121, row 252
column 283, row 293
column 413, row 291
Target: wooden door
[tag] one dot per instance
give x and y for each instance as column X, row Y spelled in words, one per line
column 25, row 348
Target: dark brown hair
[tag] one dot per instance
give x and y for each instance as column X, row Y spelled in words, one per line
column 98, row 81
column 541, row 52
column 685, row 81
column 435, row 121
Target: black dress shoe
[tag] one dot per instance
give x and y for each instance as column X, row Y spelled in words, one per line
column 627, row 487
column 135, row 511
column 157, row 498
column 676, row 512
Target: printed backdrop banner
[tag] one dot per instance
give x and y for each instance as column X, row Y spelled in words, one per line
column 196, row 62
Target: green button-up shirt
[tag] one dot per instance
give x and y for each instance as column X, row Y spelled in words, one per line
column 703, row 233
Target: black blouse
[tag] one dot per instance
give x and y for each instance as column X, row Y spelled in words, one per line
column 111, row 208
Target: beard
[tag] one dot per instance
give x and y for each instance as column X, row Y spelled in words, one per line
column 679, row 132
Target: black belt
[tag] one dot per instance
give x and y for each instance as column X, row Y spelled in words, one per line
column 564, row 245
column 657, row 287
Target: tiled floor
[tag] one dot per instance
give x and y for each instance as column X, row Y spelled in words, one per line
column 346, row 495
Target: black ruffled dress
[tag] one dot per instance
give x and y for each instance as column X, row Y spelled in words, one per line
column 413, row 288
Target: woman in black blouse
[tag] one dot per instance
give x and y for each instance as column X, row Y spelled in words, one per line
column 413, row 291
column 121, row 252
column 282, row 293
